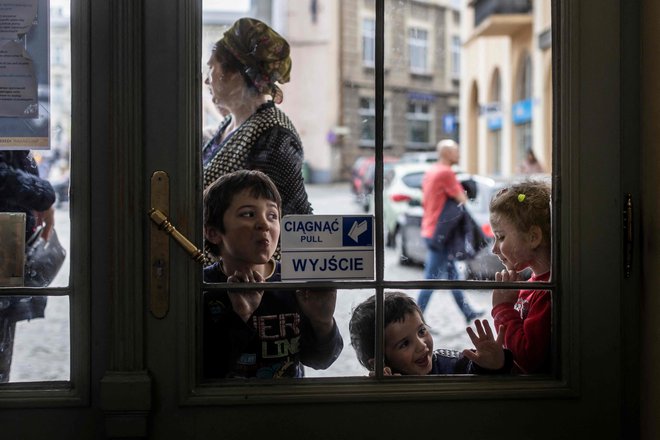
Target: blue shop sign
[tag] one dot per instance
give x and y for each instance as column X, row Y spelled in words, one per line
column 522, row 111
column 419, row 96
column 494, row 122
column 449, row 123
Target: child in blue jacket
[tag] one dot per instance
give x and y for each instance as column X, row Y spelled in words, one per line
column 409, row 344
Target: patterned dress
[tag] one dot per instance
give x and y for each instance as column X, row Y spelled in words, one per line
column 267, row 141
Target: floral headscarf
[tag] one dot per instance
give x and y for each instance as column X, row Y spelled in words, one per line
column 263, row 52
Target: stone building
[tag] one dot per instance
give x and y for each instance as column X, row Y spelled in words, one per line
column 331, row 94
column 506, row 85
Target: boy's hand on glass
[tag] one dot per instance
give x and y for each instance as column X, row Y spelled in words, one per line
column 319, row 307
column 245, row 302
column 504, row 295
column 489, row 352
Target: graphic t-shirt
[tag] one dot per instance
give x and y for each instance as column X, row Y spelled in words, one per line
column 274, row 342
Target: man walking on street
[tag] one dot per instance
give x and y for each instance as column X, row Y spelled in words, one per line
column 438, row 185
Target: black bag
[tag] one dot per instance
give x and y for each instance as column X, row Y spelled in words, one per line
column 457, row 233
column 43, row 259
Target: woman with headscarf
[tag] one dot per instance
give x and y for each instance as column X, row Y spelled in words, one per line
column 243, row 68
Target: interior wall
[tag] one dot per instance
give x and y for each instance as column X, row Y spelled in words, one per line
column 650, row 138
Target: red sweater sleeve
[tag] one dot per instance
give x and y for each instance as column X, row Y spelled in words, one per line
column 528, row 329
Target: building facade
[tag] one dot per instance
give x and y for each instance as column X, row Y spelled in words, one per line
column 506, row 85
column 336, row 67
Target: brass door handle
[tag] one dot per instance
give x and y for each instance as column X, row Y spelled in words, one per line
column 166, row 226
column 159, row 251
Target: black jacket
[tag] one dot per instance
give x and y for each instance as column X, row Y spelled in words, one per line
column 22, row 190
column 457, row 232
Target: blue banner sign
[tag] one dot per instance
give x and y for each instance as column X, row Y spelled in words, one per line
column 522, row 111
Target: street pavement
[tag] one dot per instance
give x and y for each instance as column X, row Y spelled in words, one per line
column 42, row 346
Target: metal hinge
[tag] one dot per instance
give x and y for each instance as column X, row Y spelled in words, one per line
column 627, row 235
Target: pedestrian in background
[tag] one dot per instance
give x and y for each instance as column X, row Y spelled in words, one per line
column 22, row 190
column 530, row 165
column 438, row 185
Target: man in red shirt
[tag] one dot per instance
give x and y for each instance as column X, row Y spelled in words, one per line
column 439, row 184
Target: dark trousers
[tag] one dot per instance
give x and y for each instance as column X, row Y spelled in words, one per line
column 7, row 328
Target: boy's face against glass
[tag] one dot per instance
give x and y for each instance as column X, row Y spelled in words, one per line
column 511, row 245
column 409, row 346
column 252, row 229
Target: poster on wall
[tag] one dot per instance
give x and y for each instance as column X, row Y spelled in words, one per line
column 24, row 75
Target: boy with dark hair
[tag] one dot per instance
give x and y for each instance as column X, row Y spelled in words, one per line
column 258, row 333
column 409, row 344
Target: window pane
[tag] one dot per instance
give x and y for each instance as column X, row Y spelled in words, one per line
column 418, row 47
column 35, row 349
column 347, row 364
column 425, row 101
column 455, row 56
column 34, row 187
column 368, row 42
column 495, row 132
column 367, row 113
column 333, row 114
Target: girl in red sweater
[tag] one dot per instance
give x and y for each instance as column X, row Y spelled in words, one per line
column 520, row 218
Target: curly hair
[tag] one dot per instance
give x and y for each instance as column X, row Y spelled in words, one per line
column 362, row 325
column 525, row 204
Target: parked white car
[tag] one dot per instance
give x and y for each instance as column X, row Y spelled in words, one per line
column 402, row 184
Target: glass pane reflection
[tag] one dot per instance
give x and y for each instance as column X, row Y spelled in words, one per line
column 41, row 346
column 347, row 364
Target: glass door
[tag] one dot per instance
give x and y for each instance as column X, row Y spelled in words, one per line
column 140, row 66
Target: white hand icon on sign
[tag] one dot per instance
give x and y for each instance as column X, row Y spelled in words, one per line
column 357, row 229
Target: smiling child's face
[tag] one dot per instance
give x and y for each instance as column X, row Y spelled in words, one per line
column 409, row 346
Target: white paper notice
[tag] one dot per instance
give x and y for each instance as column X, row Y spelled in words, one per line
column 18, row 85
column 16, row 17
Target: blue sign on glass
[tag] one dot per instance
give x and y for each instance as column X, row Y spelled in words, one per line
column 522, row 111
